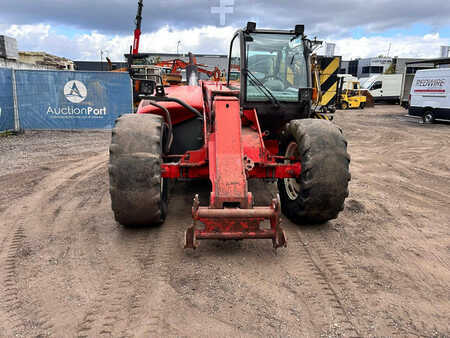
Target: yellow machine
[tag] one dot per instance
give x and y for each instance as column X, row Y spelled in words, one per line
column 352, row 99
column 351, row 95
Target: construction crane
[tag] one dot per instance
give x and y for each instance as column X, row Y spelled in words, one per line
column 137, row 31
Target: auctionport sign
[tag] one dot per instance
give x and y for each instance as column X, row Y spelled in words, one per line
column 72, row 100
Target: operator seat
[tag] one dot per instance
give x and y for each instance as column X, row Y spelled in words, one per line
column 264, row 65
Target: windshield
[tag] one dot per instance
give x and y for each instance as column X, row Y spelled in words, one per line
column 278, row 62
column 366, row 83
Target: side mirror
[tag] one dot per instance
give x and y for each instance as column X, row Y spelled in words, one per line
column 251, row 27
column 299, row 29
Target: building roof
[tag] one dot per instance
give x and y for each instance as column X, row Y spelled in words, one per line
column 97, row 66
column 43, row 54
column 437, row 61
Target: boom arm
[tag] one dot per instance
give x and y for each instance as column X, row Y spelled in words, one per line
column 180, row 64
column 137, row 31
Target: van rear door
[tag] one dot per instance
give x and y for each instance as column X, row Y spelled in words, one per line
column 392, row 86
column 430, row 91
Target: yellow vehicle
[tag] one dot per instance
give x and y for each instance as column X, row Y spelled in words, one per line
column 352, row 99
column 351, row 95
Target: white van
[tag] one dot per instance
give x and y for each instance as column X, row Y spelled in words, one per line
column 384, row 87
column 429, row 96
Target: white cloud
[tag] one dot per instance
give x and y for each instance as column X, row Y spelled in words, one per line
column 40, row 31
column 431, row 37
column 427, row 46
column 206, row 39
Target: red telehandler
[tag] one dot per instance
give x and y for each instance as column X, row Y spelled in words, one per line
column 256, row 126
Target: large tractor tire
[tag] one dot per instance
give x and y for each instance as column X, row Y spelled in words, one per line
column 138, row 192
column 318, row 194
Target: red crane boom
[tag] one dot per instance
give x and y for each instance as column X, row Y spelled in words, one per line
column 137, row 31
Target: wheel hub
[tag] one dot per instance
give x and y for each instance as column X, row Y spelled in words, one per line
column 291, row 184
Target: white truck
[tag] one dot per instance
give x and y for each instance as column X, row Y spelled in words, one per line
column 429, row 97
column 384, row 87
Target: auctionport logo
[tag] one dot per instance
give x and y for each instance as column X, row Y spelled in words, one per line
column 75, row 91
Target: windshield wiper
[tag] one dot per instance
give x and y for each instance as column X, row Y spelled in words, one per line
column 258, row 84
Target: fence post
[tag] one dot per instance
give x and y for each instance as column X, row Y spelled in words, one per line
column 16, row 106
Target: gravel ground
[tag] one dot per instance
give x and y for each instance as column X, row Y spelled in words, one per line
column 33, row 148
column 381, row 269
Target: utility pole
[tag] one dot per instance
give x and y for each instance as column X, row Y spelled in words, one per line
column 178, row 46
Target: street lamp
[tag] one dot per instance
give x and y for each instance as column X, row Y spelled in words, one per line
column 106, row 52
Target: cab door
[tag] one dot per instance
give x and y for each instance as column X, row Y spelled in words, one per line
column 377, row 89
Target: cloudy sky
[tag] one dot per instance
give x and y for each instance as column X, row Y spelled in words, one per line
column 360, row 28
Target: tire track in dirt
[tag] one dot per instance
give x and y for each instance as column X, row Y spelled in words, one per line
column 27, row 314
column 109, row 311
column 11, row 300
column 23, row 316
column 302, row 301
column 130, row 302
column 155, row 280
column 342, row 282
column 329, row 293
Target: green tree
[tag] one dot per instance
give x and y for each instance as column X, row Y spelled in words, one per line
column 391, row 69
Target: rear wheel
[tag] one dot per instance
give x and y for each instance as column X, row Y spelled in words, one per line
column 139, row 194
column 428, row 117
column 318, row 194
column 362, row 105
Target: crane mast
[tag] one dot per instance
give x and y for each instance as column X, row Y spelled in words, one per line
column 137, row 31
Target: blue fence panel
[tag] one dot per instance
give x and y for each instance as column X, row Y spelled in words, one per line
column 6, row 100
column 72, row 100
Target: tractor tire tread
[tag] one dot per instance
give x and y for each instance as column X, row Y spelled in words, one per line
column 134, row 170
column 325, row 172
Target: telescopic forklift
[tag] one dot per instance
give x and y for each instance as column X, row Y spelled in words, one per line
column 256, row 125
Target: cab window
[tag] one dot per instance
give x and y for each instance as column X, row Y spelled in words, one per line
column 234, row 73
column 376, row 85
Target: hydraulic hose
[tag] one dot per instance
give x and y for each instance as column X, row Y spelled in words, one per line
column 173, row 99
column 169, row 123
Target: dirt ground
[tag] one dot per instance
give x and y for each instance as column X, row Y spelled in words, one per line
column 381, row 269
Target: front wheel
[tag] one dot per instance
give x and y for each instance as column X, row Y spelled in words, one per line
column 139, row 195
column 318, row 194
column 428, row 117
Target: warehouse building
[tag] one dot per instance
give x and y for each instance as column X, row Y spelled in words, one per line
column 367, row 67
column 46, row 60
column 10, row 57
column 97, row 66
